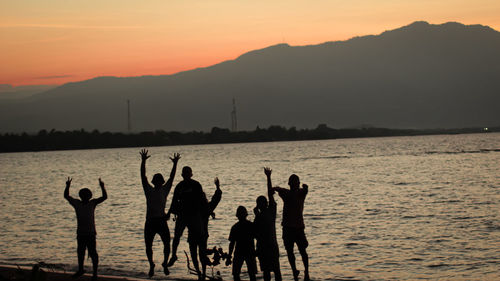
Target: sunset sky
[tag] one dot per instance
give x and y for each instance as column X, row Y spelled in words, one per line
column 59, row 41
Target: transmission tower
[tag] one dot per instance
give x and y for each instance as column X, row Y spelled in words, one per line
column 234, row 121
column 129, row 125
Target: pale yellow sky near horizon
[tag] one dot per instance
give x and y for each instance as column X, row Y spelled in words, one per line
column 59, row 41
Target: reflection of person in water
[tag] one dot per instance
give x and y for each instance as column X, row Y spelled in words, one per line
column 189, row 205
column 293, row 223
column 156, row 219
column 241, row 237
column 85, row 233
column 265, row 232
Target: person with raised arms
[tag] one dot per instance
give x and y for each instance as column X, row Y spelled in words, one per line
column 265, row 232
column 85, row 232
column 156, row 219
column 293, row 223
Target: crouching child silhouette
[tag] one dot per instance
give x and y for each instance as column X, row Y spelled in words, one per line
column 241, row 237
column 85, row 233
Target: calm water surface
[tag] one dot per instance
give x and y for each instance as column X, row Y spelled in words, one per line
column 378, row 208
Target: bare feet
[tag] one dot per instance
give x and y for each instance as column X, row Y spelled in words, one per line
column 151, row 270
column 296, row 275
column 165, row 268
column 171, row 261
column 78, row 274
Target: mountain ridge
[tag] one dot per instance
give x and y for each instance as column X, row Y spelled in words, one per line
column 418, row 76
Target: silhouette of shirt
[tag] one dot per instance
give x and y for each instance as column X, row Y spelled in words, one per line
column 293, row 206
column 84, row 215
column 188, row 199
column 265, row 227
column 242, row 233
column 156, row 198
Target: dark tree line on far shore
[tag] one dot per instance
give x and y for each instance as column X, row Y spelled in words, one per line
column 81, row 139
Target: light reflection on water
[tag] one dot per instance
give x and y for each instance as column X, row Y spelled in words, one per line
column 378, row 208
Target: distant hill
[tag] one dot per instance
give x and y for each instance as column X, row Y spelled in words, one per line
column 417, row 76
column 10, row 92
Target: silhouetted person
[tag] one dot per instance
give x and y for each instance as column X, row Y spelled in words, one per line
column 293, row 223
column 209, row 211
column 85, row 233
column 241, row 241
column 156, row 219
column 265, row 232
column 188, row 206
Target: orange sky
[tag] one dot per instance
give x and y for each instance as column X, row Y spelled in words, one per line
column 59, row 41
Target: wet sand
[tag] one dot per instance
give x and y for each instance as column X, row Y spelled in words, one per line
column 9, row 272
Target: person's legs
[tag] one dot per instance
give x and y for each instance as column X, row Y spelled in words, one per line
column 302, row 244
column 80, row 251
column 289, row 243
column 237, row 263
column 149, row 236
column 305, row 260
column 91, row 246
column 165, row 238
column 203, row 256
column 193, row 247
column 277, row 274
column 252, row 267
column 179, row 229
column 267, row 275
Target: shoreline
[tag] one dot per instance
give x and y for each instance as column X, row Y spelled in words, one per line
column 82, row 140
column 21, row 273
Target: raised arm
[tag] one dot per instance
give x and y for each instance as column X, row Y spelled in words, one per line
column 66, row 190
column 144, row 157
column 174, row 160
column 270, row 191
column 214, row 201
column 306, row 188
column 104, row 193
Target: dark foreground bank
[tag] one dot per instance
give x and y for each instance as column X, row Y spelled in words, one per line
column 37, row 273
column 81, row 139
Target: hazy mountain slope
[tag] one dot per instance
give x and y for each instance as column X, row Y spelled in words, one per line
column 418, row 76
column 20, row 92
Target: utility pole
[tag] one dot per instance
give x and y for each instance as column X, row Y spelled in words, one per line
column 129, row 125
column 234, row 121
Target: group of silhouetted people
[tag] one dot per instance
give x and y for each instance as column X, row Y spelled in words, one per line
column 191, row 209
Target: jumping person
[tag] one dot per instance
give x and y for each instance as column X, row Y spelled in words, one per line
column 85, row 233
column 293, row 223
column 156, row 219
column 265, row 232
column 241, row 241
column 188, row 206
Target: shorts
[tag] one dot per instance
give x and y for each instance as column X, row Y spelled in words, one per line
column 295, row 235
column 87, row 241
column 155, row 226
column 195, row 228
column 238, row 263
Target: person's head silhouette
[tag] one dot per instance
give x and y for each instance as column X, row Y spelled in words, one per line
column 85, row 194
column 294, row 182
column 158, row 180
column 187, row 173
column 261, row 202
column 241, row 213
